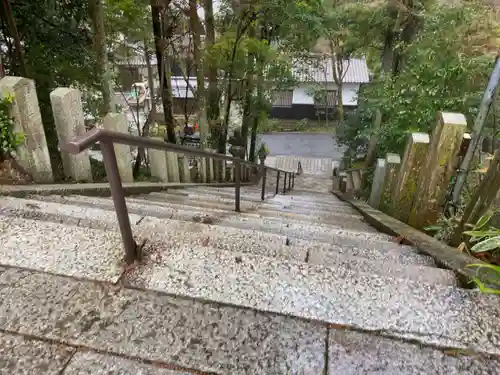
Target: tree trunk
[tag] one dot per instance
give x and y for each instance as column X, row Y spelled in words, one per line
column 248, row 111
column 200, row 75
column 257, row 109
column 213, row 98
column 163, row 65
column 97, row 10
column 340, row 103
column 371, row 155
column 11, row 26
column 151, row 81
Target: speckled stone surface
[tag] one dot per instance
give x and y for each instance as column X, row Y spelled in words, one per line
column 378, row 251
column 61, row 249
column 215, row 203
column 301, row 230
column 22, row 356
column 61, row 213
column 422, row 274
column 354, row 353
column 308, row 210
column 432, row 314
column 177, row 234
column 195, row 335
column 90, row 363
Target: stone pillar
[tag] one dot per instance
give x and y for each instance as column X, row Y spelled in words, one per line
column 158, row 163
column 406, row 186
column 378, row 182
column 438, row 169
column 202, row 169
column 70, row 123
column 356, row 179
column 392, row 166
column 33, row 154
column 211, row 167
column 173, row 167
column 186, row 172
column 117, row 122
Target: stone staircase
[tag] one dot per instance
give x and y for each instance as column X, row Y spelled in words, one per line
column 297, row 284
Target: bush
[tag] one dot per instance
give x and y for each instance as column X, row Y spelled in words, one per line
column 9, row 139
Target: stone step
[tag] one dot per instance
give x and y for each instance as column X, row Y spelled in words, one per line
column 354, row 353
column 423, row 274
column 216, row 202
column 291, row 228
column 166, row 330
column 61, row 249
column 75, row 211
column 430, row 314
column 138, row 339
column 308, row 209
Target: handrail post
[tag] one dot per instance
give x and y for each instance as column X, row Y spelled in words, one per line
column 237, row 180
column 284, row 184
column 278, row 183
column 118, row 195
column 289, row 181
column 293, row 180
column 263, row 192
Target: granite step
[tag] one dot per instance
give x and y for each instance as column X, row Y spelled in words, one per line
column 355, row 353
column 73, row 259
column 121, row 338
column 221, row 203
column 289, row 227
column 165, row 330
column 429, row 314
column 64, row 210
column 61, row 249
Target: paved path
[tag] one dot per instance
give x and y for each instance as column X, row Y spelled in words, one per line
column 313, row 145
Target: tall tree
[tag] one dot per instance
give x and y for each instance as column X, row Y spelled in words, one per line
column 162, row 30
column 196, row 27
column 213, row 95
column 97, row 16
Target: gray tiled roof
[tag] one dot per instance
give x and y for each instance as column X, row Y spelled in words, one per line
column 320, row 70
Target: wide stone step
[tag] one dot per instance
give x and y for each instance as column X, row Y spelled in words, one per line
column 355, row 353
column 61, row 249
column 220, row 203
column 430, row 314
column 308, row 209
column 166, row 330
column 423, row 274
column 286, row 227
column 75, row 211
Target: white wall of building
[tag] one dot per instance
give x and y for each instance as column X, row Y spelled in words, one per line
column 304, row 93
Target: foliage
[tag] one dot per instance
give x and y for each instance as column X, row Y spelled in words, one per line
column 493, row 285
column 485, row 238
column 446, row 69
column 9, row 139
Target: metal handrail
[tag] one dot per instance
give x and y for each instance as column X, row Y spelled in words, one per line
column 107, row 139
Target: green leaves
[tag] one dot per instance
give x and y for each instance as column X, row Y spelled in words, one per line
column 9, row 139
column 486, row 283
column 487, row 245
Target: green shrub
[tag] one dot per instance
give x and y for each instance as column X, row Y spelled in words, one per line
column 9, row 139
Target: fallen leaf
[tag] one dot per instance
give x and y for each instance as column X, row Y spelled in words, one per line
column 205, row 241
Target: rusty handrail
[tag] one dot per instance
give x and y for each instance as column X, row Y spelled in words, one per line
column 108, row 138
column 84, row 141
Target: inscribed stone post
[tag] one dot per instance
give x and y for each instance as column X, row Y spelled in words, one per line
column 117, row 122
column 70, row 123
column 356, row 179
column 406, row 186
column 392, row 166
column 173, row 167
column 211, row 167
column 438, row 169
column 158, row 163
column 185, row 173
column 378, row 182
column 33, row 154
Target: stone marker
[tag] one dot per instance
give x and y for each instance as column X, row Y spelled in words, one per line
column 349, row 186
column 70, row 123
column 33, row 154
column 378, row 181
column 392, row 165
column 406, row 186
column 117, row 122
column 438, row 169
column 173, row 167
column 356, row 179
column 185, row 171
column 158, row 163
